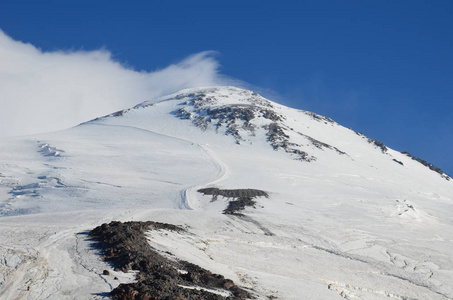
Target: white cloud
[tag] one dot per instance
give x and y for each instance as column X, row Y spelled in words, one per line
column 47, row 91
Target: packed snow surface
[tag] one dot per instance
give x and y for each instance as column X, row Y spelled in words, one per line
column 346, row 217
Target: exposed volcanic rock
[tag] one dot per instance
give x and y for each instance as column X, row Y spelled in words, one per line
column 429, row 165
column 378, row 144
column 120, row 113
column 321, row 145
column 279, row 140
column 319, row 117
column 125, row 246
column 242, row 120
column 242, row 197
column 398, row 162
column 374, row 142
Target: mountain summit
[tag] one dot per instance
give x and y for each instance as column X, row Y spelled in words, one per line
column 249, row 118
column 237, row 196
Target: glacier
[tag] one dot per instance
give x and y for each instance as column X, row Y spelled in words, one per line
column 345, row 218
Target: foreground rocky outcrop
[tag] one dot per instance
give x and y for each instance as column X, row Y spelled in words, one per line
column 125, row 246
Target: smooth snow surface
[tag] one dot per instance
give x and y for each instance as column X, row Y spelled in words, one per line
column 345, row 218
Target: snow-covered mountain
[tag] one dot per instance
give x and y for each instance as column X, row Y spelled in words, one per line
column 287, row 204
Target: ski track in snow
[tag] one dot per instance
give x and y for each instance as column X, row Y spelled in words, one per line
column 189, row 195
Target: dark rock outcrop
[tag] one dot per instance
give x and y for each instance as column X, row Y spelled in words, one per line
column 399, row 162
column 428, row 165
column 237, row 120
column 242, row 197
column 125, row 246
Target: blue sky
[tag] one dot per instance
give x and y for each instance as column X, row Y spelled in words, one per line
column 384, row 68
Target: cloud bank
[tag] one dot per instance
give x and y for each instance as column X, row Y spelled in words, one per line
column 48, row 91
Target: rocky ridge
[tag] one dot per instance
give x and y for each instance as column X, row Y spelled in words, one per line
column 244, row 117
column 125, row 246
column 428, row 165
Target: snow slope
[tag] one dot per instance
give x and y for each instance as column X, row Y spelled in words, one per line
column 346, row 217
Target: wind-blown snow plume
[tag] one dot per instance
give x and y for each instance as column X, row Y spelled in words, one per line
column 46, row 91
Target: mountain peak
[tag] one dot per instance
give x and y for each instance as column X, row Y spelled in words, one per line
column 247, row 118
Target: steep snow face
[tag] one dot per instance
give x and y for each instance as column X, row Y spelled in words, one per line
column 344, row 216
